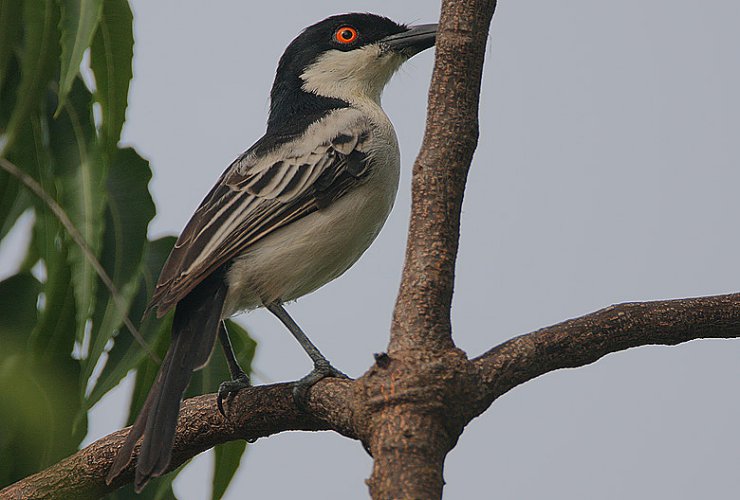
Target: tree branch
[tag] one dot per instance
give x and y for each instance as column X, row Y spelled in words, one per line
column 410, row 408
column 421, row 318
column 253, row 413
column 338, row 404
column 581, row 341
column 416, row 424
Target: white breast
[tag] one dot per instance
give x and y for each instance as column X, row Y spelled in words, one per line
column 305, row 255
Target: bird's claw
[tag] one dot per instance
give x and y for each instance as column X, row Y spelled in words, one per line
column 320, row 371
column 229, row 387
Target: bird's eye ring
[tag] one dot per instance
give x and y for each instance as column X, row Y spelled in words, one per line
column 345, row 35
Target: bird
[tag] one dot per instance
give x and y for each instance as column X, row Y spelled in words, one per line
column 290, row 214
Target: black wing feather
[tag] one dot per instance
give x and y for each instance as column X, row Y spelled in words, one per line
column 254, row 198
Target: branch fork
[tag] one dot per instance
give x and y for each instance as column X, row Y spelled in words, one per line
column 412, row 405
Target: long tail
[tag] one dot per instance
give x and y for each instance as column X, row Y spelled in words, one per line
column 194, row 331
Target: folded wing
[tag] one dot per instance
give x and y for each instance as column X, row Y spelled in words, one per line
column 263, row 190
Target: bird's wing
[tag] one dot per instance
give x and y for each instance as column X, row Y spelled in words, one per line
column 263, row 191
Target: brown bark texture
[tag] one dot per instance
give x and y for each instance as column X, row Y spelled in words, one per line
column 412, row 405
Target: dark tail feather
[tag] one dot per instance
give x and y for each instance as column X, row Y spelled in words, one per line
column 124, row 455
column 194, row 331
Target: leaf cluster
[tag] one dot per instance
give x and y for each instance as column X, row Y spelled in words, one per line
column 70, row 309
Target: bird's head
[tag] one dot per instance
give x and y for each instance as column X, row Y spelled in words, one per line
column 349, row 57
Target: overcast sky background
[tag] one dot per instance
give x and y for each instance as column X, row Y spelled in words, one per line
column 608, row 170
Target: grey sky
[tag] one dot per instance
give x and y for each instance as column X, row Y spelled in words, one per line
column 607, row 171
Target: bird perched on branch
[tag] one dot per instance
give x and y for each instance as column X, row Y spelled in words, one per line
column 292, row 213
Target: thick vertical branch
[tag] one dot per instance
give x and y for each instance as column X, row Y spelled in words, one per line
column 410, row 397
column 421, row 318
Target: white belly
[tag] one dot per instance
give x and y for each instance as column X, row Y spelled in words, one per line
column 312, row 251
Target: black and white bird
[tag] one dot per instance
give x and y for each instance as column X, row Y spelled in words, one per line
column 292, row 213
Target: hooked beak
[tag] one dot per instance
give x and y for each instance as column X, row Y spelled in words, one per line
column 413, row 40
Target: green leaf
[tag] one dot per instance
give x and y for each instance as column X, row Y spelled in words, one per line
column 10, row 17
column 51, row 369
column 12, row 203
column 126, row 353
column 52, row 338
column 81, row 177
column 9, row 93
column 14, row 199
column 112, row 54
column 39, row 405
column 228, row 456
column 158, row 488
column 227, row 459
column 38, row 63
column 18, row 313
column 19, row 443
column 78, row 23
column 130, row 208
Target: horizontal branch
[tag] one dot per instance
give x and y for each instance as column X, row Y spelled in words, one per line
column 583, row 340
column 253, row 413
column 262, row 411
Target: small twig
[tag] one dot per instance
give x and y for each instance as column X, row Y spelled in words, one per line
column 79, row 240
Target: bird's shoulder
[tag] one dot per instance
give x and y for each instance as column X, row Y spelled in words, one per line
column 283, row 165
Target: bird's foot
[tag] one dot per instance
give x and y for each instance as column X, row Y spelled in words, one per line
column 230, row 387
column 320, row 371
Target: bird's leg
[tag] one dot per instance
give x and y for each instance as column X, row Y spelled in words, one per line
column 239, row 379
column 321, row 366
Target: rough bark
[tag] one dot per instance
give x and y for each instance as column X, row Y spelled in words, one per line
column 421, row 318
column 582, row 341
column 417, row 422
column 412, row 405
column 408, row 413
column 253, row 413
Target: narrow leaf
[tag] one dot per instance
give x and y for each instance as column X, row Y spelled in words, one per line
column 50, row 365
column 18, row 313
column 81, row 177
column 40, row 50
column 52, row 338
column 127, row 354
column 37, row 412
column 130, row 208
column 78, row 23
column 20, row 444
column 9, row 92
column 10, row 17
column 112, row 54
column 14, row 200
column 227, row 459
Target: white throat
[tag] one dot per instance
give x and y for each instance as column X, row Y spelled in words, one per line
column 356, row 76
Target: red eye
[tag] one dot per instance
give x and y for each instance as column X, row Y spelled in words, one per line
column 345, row 34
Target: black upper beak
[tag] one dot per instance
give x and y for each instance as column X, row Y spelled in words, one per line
column 413, row 40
